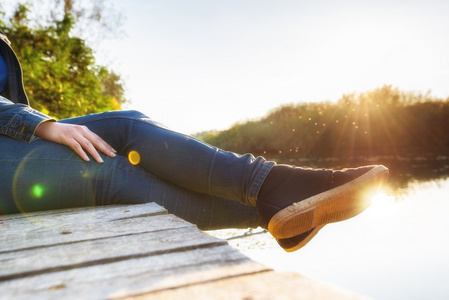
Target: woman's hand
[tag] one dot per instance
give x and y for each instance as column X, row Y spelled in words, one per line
column 77, row 137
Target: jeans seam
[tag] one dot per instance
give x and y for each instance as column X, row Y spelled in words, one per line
column 209, row 175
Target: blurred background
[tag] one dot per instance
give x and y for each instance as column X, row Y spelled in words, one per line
column 320, row 84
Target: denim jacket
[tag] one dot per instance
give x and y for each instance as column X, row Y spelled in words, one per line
column 17, row 119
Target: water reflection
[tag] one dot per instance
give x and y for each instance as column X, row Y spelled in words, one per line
column 397, row 249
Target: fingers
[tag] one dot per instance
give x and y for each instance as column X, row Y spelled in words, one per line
column 83, row 142
column 102, row 145
column 78, row 150
column 86, row 146
column 93, row 142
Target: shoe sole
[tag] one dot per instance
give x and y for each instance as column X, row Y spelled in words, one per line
column 290, row 245
column 338, row 204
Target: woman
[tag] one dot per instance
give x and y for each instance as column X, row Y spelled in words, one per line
column 46, row 164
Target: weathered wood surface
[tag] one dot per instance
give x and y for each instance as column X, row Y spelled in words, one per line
column 131, row 251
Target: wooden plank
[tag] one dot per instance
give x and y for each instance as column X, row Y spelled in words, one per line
column 135, row 252
column 40, row 260
column 259, row 286
column 133, row 276
column 81, row 215
column 26, row 237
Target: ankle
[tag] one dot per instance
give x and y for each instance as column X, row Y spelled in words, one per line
column 285, row 183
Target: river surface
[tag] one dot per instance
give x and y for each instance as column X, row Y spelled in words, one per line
column 397, row 249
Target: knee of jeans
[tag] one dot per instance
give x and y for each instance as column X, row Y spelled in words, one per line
column 132, row 114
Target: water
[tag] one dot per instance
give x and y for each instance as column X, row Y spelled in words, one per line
column 397, row 249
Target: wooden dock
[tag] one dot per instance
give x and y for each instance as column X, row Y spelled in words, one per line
column 134, row 252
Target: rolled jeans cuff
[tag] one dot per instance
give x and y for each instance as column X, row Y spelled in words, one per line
column 257, row 182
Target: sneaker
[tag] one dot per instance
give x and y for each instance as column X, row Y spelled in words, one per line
column 293, row 200
column 299, row 241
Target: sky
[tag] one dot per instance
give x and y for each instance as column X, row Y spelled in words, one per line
column 199, row 65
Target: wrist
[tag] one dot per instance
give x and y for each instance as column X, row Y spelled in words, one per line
column 44, row 127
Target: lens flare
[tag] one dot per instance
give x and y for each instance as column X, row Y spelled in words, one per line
column 134, row 157
column 32, row 191
column 37, row 191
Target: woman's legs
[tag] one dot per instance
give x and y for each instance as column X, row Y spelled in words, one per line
column 292, row 201
column 43, row 175
column 180, row 159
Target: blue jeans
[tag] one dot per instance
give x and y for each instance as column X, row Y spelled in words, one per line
column 200, row 183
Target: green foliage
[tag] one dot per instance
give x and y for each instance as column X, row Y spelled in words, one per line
column 384, row 122
column 59, row 70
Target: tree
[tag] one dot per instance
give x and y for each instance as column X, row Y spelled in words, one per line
column 381, row 122
column 95, row 20
column 60, row 73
